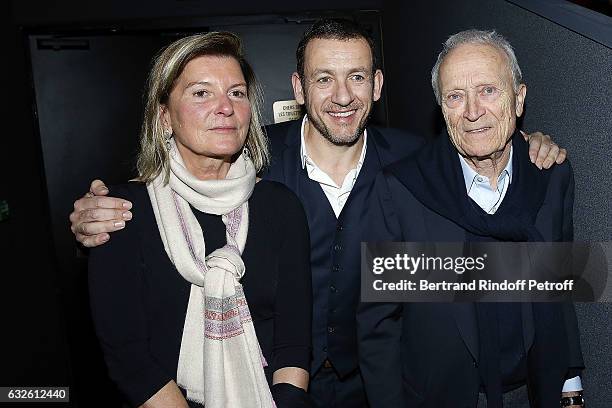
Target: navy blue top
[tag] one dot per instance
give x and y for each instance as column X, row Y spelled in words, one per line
column 139, row 299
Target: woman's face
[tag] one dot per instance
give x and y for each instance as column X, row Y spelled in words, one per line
column 208, row 109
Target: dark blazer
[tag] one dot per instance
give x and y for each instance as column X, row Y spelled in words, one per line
column 437, row 343
column 334, row 241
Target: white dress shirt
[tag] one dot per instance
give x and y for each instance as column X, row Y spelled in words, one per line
column 489, row 199
column 336, row 195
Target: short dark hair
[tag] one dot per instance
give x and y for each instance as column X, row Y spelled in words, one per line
column 334, row 29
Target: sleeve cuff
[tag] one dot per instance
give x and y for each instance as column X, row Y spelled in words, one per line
column 572, row 384
column 289, row 396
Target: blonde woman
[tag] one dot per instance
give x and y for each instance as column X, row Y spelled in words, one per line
column 205, row 298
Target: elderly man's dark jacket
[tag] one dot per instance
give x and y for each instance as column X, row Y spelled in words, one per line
column 334, row 241
column 438, row 343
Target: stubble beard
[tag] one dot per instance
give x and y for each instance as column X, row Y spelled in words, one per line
column 337, row 140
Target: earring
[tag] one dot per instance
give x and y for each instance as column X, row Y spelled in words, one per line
column 168, row 138
column 246, row 153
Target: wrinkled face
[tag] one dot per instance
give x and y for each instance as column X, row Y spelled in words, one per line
column 208, row 109
column 479, row 104
column 338, row 87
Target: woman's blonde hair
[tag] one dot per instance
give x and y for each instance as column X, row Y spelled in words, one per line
column 153, row 158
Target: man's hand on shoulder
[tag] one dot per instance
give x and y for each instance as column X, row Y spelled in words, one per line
column 95, row 215
column 543, row 151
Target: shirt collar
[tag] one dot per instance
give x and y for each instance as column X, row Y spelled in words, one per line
column 470, row 174
column 304, row 153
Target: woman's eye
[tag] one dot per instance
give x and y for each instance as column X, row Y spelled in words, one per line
column 200, row 94
column 238, row 94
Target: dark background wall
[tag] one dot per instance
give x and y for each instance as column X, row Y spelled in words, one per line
column 569, row 79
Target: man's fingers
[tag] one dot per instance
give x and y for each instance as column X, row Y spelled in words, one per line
column 95, row 215
column 85, row 203
column 74, row 217
column 544, row 148
column 80, row 203
column 112, row 202
column 562, row 156
column 92, row 241
column 551, row 157
column 94, row 221
column 98, row 187
column 99, row 227
column 535, row 145
column 103, row 214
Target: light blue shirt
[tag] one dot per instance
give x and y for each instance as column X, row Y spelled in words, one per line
column 479, row 188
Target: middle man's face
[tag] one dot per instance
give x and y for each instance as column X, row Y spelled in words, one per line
column 338, row 88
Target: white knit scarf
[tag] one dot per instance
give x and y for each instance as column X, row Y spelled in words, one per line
column 220, row 363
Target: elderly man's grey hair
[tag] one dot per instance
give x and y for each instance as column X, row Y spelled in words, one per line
column 491, row 38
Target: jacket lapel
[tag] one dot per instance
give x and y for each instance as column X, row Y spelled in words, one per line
column 528, row 325
column 465, row 317
column 372, row 164
column 296, row 178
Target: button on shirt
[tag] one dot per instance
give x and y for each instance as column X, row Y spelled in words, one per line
column 336, row 195
column 489, row 199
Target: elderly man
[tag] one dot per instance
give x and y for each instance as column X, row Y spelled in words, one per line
column 473, row 184
column 329, row 159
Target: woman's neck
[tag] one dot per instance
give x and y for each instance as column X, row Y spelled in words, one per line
column 203, row 167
